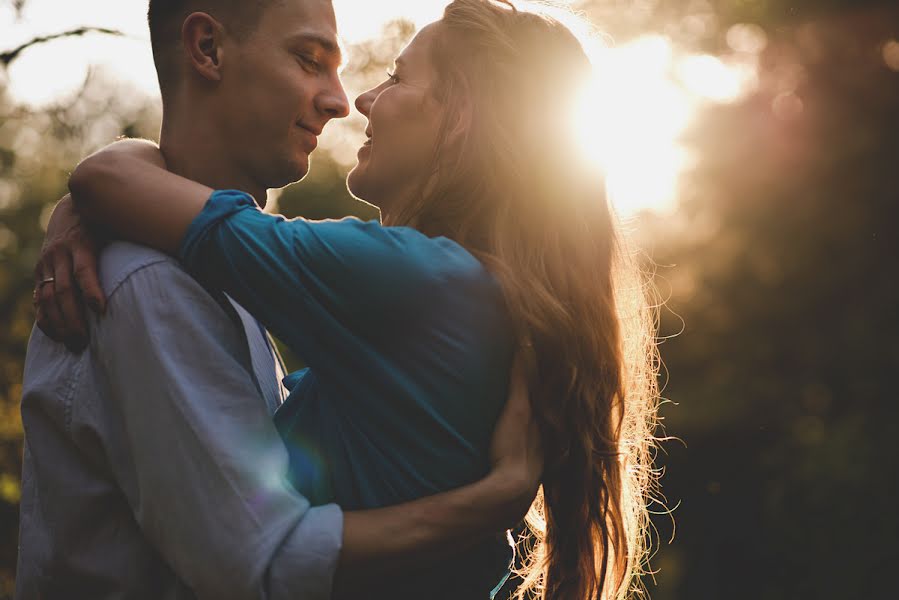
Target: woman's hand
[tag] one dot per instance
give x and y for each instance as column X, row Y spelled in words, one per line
column 66, row 278
column 516, row 451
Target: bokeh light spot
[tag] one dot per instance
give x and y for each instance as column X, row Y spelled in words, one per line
column 891, row 55
column 748, row 38
column 708, row 77
column 787, row 106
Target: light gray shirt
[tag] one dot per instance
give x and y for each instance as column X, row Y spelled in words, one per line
column 152, row 466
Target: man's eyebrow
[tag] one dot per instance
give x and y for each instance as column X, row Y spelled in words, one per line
column 329, row 45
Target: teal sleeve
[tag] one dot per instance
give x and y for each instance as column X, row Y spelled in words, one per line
column 320, row 286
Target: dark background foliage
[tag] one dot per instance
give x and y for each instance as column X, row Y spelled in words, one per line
column 778, row 269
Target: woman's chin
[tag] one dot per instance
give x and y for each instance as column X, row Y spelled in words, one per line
column 355, row 183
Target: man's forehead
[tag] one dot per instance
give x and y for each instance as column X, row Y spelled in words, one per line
column 307, row 20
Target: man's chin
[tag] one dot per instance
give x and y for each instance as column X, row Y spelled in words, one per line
column 292, row 173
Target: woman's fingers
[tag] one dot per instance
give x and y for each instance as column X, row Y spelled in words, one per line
column 50, row 318
column 84, row 265
column 40, row 315
column 71, row 309
column 59, row 310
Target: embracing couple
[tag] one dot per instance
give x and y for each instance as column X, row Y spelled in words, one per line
column 474, row 345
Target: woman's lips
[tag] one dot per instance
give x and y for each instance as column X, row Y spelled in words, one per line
column 366, row 145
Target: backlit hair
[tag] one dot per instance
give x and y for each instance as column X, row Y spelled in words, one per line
column 514, row 190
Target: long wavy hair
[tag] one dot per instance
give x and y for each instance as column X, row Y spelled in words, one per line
column 509, row 185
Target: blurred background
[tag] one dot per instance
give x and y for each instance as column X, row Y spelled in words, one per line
column 752, row 147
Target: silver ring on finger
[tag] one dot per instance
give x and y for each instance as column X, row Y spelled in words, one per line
column 45, row 281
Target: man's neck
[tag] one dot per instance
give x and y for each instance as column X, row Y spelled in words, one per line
column 193, row 149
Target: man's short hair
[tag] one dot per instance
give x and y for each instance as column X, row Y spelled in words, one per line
column 165, row 17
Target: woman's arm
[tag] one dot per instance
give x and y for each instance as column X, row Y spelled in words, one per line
column 125, row 189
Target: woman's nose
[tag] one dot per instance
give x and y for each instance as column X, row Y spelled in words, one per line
column 365, row 100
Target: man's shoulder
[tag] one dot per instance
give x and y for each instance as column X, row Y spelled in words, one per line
column 145, row 281
column 119, row 260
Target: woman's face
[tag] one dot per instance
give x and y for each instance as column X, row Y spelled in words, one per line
column 403, row 123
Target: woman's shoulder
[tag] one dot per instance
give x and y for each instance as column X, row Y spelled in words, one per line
column 450, row 266
column 404, row 250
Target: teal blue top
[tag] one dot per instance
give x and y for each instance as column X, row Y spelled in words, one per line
column 406, row 338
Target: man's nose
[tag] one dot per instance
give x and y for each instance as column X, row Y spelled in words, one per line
column 333, row 102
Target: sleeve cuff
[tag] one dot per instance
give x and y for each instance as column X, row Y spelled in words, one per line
column 308, row 560
column 221, row 205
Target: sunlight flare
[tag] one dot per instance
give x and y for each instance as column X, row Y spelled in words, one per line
column 629, row 120
column 709, row 77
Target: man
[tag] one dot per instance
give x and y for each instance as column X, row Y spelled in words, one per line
column 152, row 467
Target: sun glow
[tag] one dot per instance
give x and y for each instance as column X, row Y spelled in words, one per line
column 633, row 113
column 629, row 120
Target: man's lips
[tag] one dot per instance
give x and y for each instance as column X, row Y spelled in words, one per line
column 316, row 131
column 312, row 133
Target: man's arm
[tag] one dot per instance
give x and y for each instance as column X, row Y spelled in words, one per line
column 202, row 464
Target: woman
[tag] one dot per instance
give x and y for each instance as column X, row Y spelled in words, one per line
column 495, row 234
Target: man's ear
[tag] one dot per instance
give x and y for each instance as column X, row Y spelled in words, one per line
column 202, row 37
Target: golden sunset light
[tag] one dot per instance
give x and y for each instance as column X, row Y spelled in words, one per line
column 644, row 94
column 577, row 299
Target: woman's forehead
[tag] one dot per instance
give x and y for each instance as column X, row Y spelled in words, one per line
column 416, row 52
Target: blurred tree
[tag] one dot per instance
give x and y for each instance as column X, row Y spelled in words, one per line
column 784, row 373
column 37, row 150
column 7, row 57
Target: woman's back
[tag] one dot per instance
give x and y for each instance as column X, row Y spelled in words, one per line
column 409, row 350
column 418, row 394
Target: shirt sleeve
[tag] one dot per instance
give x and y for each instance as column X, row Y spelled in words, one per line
column 317, row 285
column 209, row 486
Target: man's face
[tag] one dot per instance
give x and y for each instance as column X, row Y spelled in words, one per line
column 280, row 86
